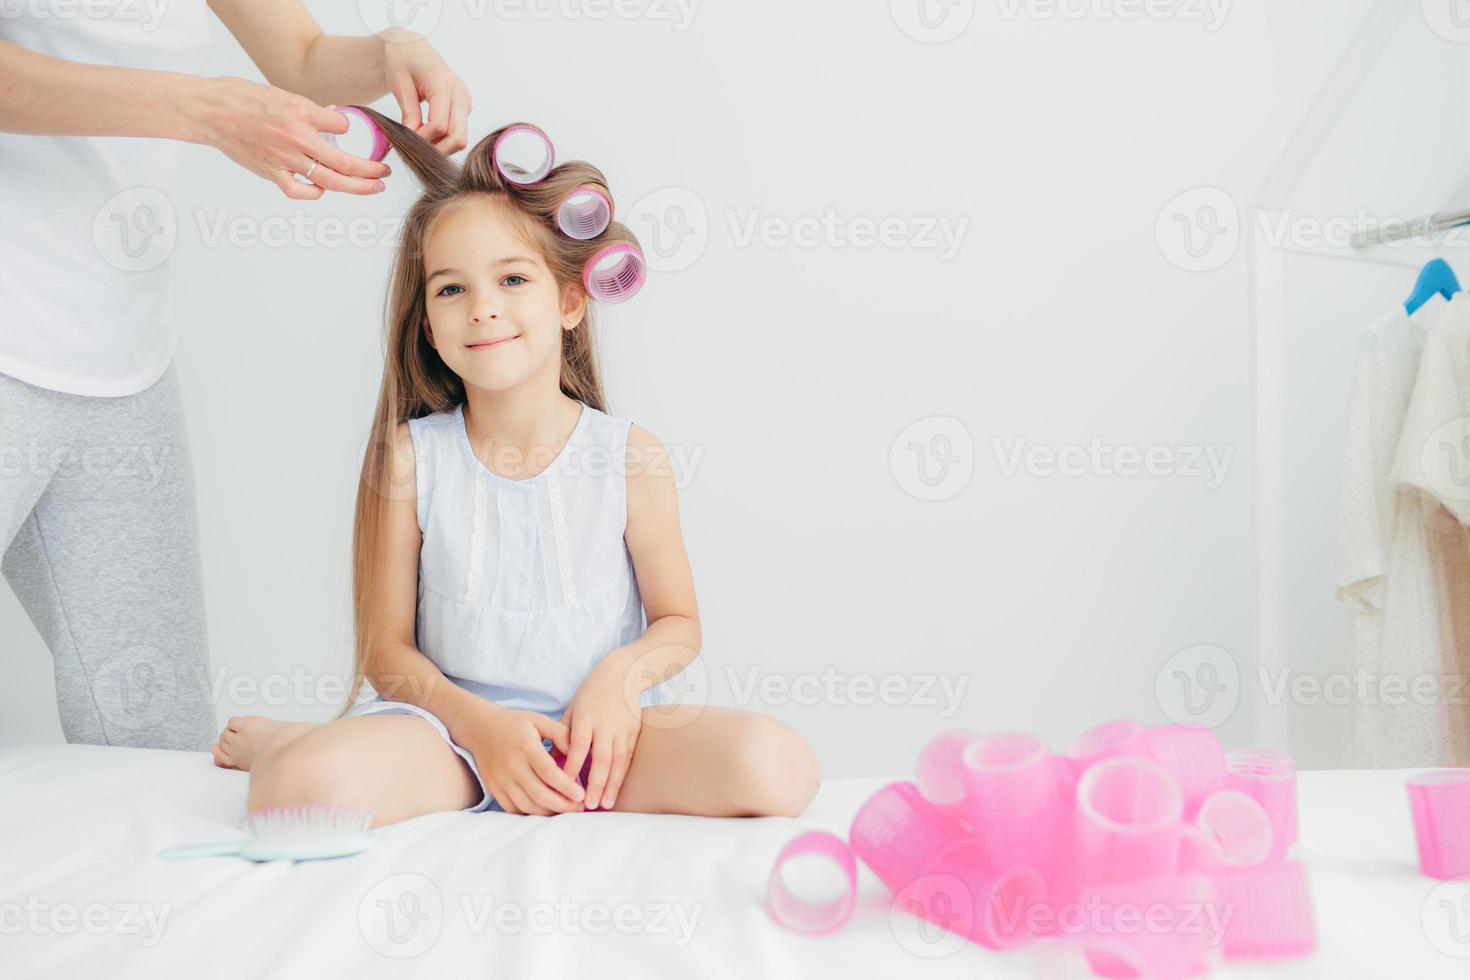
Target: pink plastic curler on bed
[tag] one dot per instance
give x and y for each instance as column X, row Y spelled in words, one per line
column 1150, row 928
column 1266, row 910
column 812, row 906
column 959, row 891
column 1199, row 850
column 1439, row 802
column 1123, row 736
column 1193, row 755
column 1128, row 820
column 940, row 773
column 1011, row 791
column 1239, row 824
column 898, row 833
column 1270, row 779
column 615, row 273
column 585, row 212
column 523, row 154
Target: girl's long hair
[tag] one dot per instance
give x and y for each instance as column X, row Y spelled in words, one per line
column 416, row 382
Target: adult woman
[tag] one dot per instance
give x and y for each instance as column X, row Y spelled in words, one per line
column 97, row 515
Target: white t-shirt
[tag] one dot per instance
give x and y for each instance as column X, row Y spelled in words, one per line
column 86, row 223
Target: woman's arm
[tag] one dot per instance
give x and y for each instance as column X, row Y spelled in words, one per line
column 288, row 47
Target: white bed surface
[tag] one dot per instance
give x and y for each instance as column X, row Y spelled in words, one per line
column 83, row 893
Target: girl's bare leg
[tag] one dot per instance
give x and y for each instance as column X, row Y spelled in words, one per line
column 395, row 765
column 718, row 762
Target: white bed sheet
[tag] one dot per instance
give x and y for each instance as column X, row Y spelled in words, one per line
column 82, row 892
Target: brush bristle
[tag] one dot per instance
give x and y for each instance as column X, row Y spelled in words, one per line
column 309, row 820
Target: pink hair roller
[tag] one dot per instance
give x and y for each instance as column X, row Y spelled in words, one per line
column 523, row 154
column 960, row 892
column 897, row 833
column 1270, row 779
column 1154, row 928
column 940, row 773
column 805, row 914
column 615, row 273
column 1123, row 736
column 1193, row 755
column 1440, row 804
column 1266, row 910
column 585, row 212
column 363, row 137
column 1239, row 824
column 1012, row 795
column 1129, row 815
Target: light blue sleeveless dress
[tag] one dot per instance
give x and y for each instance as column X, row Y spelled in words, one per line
column 524, row 585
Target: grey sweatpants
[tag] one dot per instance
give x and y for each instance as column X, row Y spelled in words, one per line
column 101, row 542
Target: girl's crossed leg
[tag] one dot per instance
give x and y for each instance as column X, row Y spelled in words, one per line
column 719, row 762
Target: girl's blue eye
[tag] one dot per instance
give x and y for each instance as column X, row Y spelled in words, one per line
column 514, row 276
column 450, row 286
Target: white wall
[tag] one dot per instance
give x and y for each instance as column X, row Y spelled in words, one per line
column 1055, row 600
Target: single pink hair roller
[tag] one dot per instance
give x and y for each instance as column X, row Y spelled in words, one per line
column 615, row 273
column 1439, row 802
column 1011, row 794
column 897, row 833
column 1265, row 909
column 585, row 213
column 1239, row 824
column 1270, row 779
column 1129, row 815
column 1193, row 755
column 813, row 884
column 960, row 892
column 523, row 154
column 940, row 773
column 1123, row 736
column 363, row 137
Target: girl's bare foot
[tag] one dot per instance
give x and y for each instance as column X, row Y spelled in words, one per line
column 240, row 739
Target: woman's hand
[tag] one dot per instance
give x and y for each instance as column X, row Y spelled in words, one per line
column 273, row 133
column 515, row 767
column 604, row 716
column 416, row 74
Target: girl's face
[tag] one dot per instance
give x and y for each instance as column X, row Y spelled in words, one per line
column 495, row 312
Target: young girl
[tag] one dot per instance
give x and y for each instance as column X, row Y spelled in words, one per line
column 509, row 538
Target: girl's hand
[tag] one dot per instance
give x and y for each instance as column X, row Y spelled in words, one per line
column 416, row 74
column 605, row 717
column 516, row 768
column 274, row 133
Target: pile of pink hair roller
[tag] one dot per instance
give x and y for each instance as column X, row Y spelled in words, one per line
column 1141, row 852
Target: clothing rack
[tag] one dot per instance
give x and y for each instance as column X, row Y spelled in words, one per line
column 1393, row 231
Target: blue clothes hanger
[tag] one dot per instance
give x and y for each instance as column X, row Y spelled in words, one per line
column 1435, row 279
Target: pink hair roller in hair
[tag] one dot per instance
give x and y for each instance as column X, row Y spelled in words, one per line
column 1266, row 910
column 821, row 913
column 1193, row 755
column 1012, row 795
column 523, row 154
column 362, row 139
column 1440, row 804
column 1270, row 779
column 615, row 273
column 959, row 891
column 1239, row 824
column 585, row 213
column 897, row 833
column 1129, row 815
